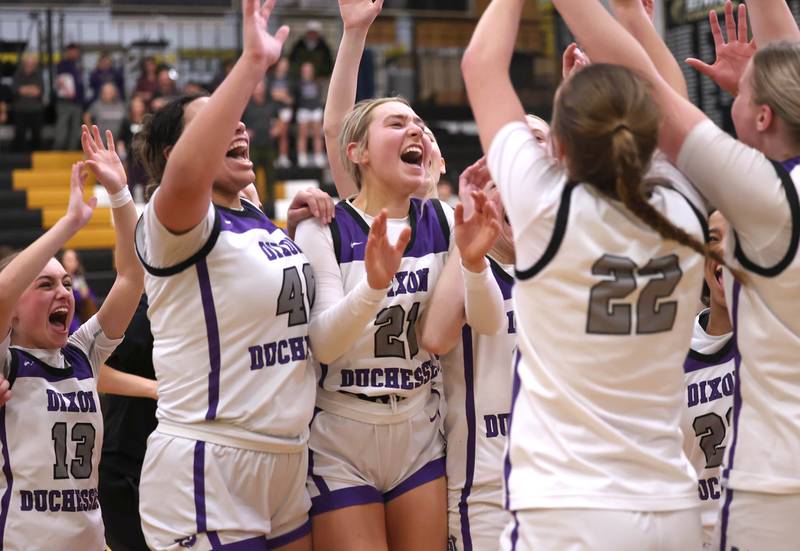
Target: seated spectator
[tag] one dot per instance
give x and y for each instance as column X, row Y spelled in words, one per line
column 147, row 84
column 28, row 104
column 85, row 299
column 131, row 125
column 309, row 117
column 167, row 87
column 280, row 92
column 107, row 112
column 258, row 117
column 313, row 49
column 69, row 107
column 103, row 73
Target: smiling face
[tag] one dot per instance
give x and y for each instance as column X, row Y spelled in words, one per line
column 397, row 153
column 236, row 170
column 717, row 229
column 45, row 310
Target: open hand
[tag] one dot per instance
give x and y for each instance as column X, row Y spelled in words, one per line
column 381, row 258
column 733, row 55
column 359, row 14
column 79, row 212
column 103, row 161
column 258, row 43
column 311, row 202
column 476, row 235
column 474, row 178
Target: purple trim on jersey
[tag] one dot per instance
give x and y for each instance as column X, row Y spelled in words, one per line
column 693, row 364
column 789, row 164
column 289, row 537
column 737, row 409
column 200, row 486
column 433, row 470
column 213, row 539
column 507, row 461
column 5, row 501
column 469, row 373
column 428, row 237
column 515, row 533
column 504, row 280
column 241, row 222
column 346, row 497
column 212, row 335
column 31, row 366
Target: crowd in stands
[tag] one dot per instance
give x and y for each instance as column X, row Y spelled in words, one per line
column 292, row 94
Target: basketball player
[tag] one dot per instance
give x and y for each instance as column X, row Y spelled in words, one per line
column 607, row 278
column 229, row 297
column 52, row 427
column 710, row 382
column 752, row 182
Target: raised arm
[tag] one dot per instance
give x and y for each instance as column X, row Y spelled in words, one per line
column 772, row 20
column 119, row 383
column 485, row 67
column 117, row 310
column 606, row 41
column 637, row 20
column 357, row 17
column 27, row 265
column 185, row 191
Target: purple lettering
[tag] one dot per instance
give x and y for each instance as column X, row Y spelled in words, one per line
column 362, row 377
column 256, row 357
column 373, row 377
column 390, row 377
column 283, row 357
column 53, row 401
column 347, row 377
column 25, row 500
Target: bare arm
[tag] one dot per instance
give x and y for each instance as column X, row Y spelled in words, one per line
column 113, row 381
column 357, row 16
column 444, row 315
column 772, row 20
column 117, row 310
column 485, row 67
column 24, row 269
column 633, row 15
column 185, row 191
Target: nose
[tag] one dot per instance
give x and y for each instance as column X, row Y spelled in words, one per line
column 241, row 128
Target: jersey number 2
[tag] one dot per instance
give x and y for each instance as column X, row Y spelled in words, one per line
column 616, row 318
column 80, row 467
column 388, row 337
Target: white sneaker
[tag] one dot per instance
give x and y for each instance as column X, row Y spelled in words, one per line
column 320, row 160
column 283, row 162
column 302, row 160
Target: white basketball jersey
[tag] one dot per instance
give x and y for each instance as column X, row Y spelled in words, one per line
column 386, row 358
column 51, row 432
column 477, row 384
column 603, row 319
column 764, row 451
column 230, row 328
column 706, row 424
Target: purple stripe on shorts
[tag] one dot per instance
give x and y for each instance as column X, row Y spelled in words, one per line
column 346, row 497
column 515, row 533
column 6, row 499
column 463, row 506
column 514, row 394
column 431, row 471
column 213, row 539
column 289, row 537
column 737, row 409
column 322, row 486
column 200, row 486
column 258, row 543
column 212, row 334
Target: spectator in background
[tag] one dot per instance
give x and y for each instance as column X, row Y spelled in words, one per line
column 312, row 48
column 309, row 117
column 28, row 105
column 258, row 117
column 147, row 84
column 107, row 112
column 167, row 87
column 157, row 104
column 128, row 422
column 195, row 89
column 131, row 125
column 446, row 192
column 280, row 92
column 70, row 94
column 103, row 73
column 85, row 299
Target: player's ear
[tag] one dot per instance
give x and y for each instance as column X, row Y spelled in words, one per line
column 167, row 151
column 765, row 118
column 356, row 153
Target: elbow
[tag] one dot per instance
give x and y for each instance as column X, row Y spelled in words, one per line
column 321, row 353
column 437, row 344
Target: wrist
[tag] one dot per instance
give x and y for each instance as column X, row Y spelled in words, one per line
column 120, row 198
column 474, row 266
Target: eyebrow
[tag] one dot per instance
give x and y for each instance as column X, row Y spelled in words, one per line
column 405, row 118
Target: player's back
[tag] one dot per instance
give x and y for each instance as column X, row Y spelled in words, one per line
column 604, row 319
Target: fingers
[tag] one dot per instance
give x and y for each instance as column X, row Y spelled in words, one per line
column 742, row 34
column 716, row 32
column 92, row 202
column 459, row 214
column 97, row 139
column 110, row 141
column 282, row 34
column 249, row 8
column 402, row 241
column 378, row 229
column 730, row 24
column 87, row 141
column 699, row 66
